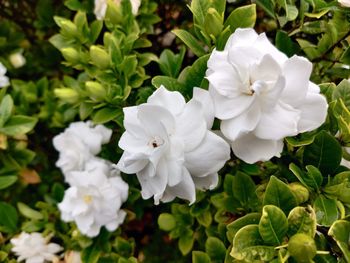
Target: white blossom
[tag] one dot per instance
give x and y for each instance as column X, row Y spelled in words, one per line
column 4, row 80
column 94, row 198
column 17, row 60
column 168, row 145
column 262, row 96
column 344, row 3
column 100, row 8
column 34, row 248
column 78, row 144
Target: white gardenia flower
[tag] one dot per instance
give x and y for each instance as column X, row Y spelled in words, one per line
column 78, row 144
column 4, row 80
column 17, row 60
column 94, row 198
column 168, row 145
column 34, row 248
column 262, row 96
column 344, row 3
column 100, row 8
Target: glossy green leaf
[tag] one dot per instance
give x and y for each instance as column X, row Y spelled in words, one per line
column 243, row 188
column 278, row 193
column 168, row 82
column 302, row 220
column 8, row 218
column 6, row 108
column 200, row 257
column 235, row 226
column 7, row 181
column 325, row 153
column 106, row 114
column 326, row 210
column 249, row 246
column 241, row 17
column 190, row 41
column 273, row 225
column 342, row 91
column 29, row 212
column 215, row 249
column 186, row 242
column 340, row 232
column 170, row 64
column 18, row 125
column 311, row 179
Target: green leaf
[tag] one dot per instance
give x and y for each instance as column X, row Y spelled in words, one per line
column 325, row 153
column 6, row 108
column 273, row 225
column 166, row 222
column 243, row 188
column 190, row 41
column 199, row 10
column 193, row 76
column 96, row 28
column 168, row 82
column 91, row 254
column 267, row 6
column 170, row 64
column 278, row 193
column 8, row 218
column 29, row 212
column 241, row 17
column 285, row 44
column 342, row 91
column 7, row 181
column 302, row 220
column 106, row 114
column 249, row 246
column 312, row 179
column 186, row 242
column 340, row 232
column 326, row 210
column 200, row 257
column 215, row 249
column 235, row 226
column 18, row 125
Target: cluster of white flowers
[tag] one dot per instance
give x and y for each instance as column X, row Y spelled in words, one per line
column 100, row 8
column 4, row 80
column 96, row 191
column 169, row 146
column 262, row 96
column 34, row 248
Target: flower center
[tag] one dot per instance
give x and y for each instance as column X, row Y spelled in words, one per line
column 87, row 199
column 156, row 142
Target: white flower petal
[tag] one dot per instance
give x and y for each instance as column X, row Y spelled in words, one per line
column 297, row 71
column 279, row 123
column 247, row 121
column 208, row 182
column 184, row 190
column 313, row 112
column 227, row 108
column 207, row 103
column 173, row 101
column 209, row 157
column 251, row 149
column 242, row 37
column 191, row 125
column 264, row 46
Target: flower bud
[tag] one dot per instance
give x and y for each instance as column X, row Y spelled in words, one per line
column 300, row 192
column 95, row 90
column 67, row 95
column 213, row 22
column 99, row 57
column 69, row 28
column 17, row 60
column 72, row 257
column 302, row 248
column 70, row 54
column 114, row 13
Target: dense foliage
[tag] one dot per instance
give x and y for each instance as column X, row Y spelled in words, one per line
column 65, row 62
